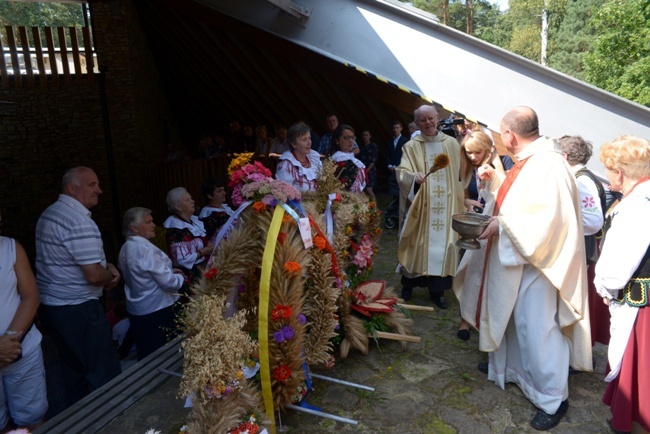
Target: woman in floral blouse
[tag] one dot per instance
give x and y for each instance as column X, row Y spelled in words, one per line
column 186, row 237
column 351, row 171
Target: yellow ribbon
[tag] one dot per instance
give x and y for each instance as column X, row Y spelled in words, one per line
column 263, row 311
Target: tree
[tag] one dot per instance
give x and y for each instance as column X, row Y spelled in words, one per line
column 474, row 17
column 574, row 38
column 528, row 15
column 40, row 14
column 620, row 59
column 32, row 14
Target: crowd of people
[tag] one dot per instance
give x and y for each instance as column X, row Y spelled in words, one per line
column 556, row 249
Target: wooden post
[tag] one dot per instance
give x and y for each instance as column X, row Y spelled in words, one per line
column 75, row 54
column 27, row 57
column 49, row 38
column 63, row 49
column 11, row 40
column 38, row 47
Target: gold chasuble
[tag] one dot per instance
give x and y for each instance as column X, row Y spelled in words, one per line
column 427, row 242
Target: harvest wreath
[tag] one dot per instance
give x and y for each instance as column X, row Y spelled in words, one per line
column 267, row 298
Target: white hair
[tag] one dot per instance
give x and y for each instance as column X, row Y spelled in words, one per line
column 174, row 197
column 133, row 217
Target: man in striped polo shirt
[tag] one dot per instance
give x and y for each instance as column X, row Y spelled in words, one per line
column 72, row 272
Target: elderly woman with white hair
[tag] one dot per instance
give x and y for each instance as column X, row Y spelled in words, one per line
column 151, row 284
column 623, row 280
column 186, row 237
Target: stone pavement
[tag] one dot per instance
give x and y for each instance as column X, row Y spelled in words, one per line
column 432, row 387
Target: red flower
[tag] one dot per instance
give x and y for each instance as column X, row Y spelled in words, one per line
column 282, row 373
column 281, row 311
column 292, row 267
column 211, row 273
column 282, row 236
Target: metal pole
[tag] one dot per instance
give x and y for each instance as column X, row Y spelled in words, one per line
column 321, row 414
column 346, row 383
column 168, row 372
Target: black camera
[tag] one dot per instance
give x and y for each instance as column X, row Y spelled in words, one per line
column 447, row 126
column 478, row 209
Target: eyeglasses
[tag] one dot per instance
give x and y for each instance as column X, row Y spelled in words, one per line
column 348, row 137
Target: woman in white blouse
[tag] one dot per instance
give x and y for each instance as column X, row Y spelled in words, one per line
column 299, row 165
column 351, row 171
column 150, row 283
column 623, row 280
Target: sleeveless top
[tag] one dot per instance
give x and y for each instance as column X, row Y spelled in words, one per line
column 9, row 296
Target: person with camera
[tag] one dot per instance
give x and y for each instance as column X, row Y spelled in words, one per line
column 426, row 251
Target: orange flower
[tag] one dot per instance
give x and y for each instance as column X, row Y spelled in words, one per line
column 259, row 207
column 211, row 273
column 282, row 236
column 320, row 242
column 371, row 205
column 287, row 219
column 292, row 267
column 377, row 231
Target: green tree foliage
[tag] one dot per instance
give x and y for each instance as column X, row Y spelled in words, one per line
column 488, row 24
column 574, row 38
column 620, row 59
column 30, row 14
column 525, row 18
column 40, row 14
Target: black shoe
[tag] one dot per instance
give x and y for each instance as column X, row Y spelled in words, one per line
column 440, row 302
column 463, row 334
column 407, row 293
column 544, row 421
column 484, row 367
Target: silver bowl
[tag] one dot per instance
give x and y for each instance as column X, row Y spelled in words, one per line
column 469, row 226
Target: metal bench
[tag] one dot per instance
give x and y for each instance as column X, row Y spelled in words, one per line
column 96, row 410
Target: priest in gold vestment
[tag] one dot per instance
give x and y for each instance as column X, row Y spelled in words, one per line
column 426, row 251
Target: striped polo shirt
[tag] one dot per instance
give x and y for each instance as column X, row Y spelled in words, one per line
column 66, row 238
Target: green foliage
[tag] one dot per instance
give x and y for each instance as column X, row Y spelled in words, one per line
column 620, row 60
column 40, row 14
column 574, row 38
column 526, row 41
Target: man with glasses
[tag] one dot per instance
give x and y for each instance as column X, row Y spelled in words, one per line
column 426, row 251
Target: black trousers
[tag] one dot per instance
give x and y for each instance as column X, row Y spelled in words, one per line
column 153, row 330
column 84, row 342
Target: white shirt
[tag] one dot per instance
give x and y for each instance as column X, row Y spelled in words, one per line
column 66, row 239
column 592, row 211
column 207, row 210
column 149, row 281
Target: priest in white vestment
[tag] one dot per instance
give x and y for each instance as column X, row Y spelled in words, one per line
column 426, row 251
column 534, row 319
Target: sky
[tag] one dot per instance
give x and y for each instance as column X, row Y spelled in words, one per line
column 503, row 4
